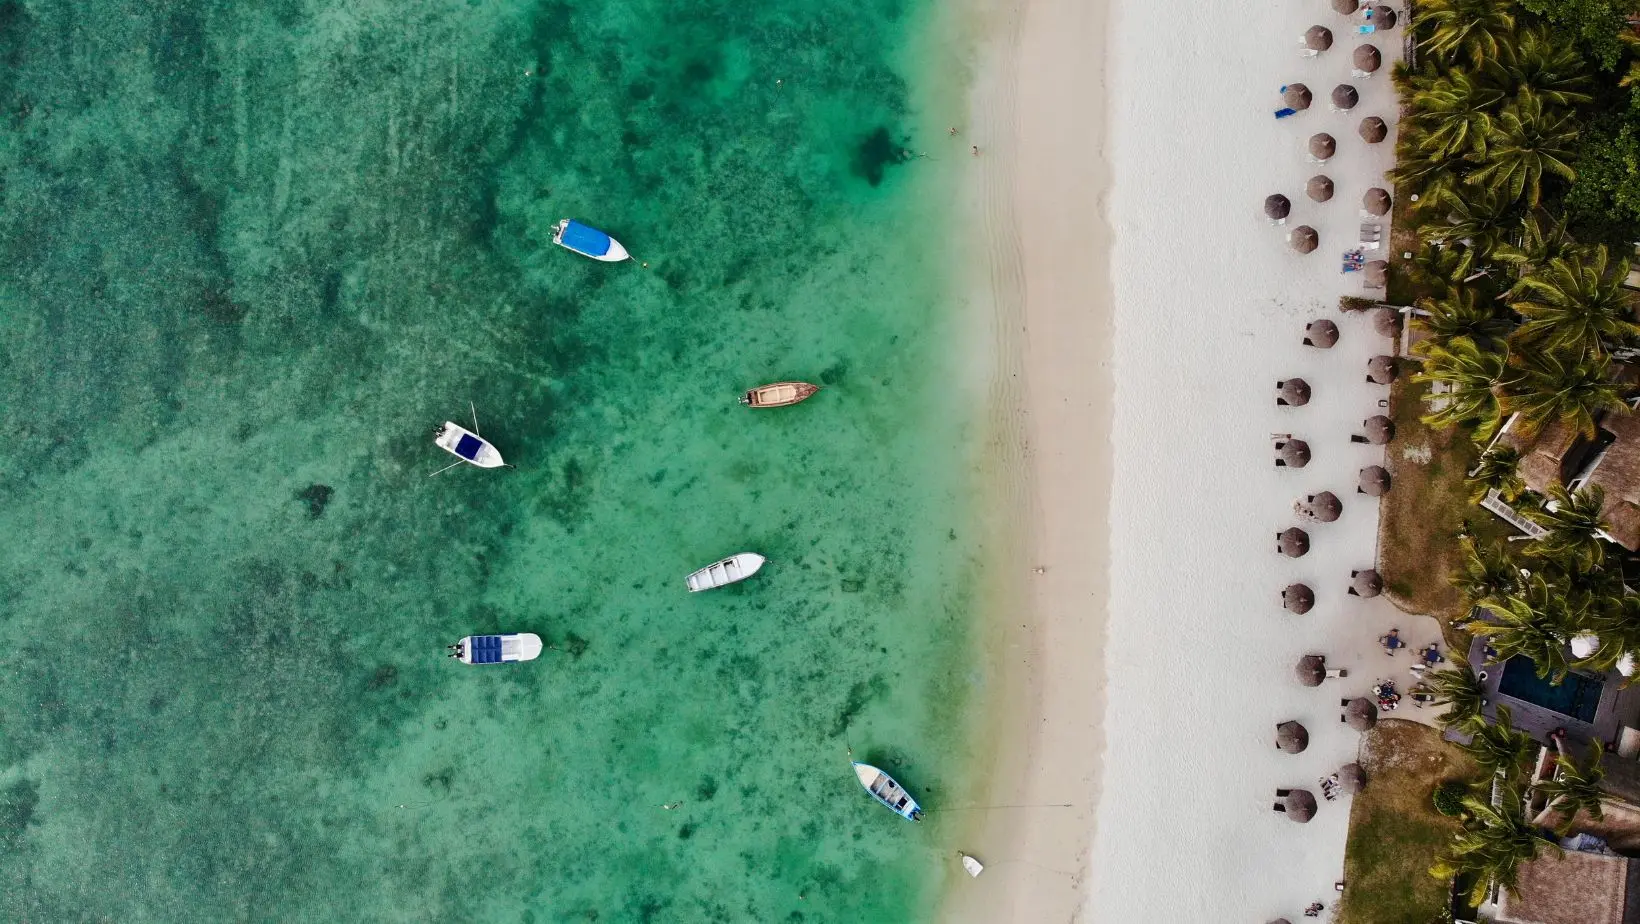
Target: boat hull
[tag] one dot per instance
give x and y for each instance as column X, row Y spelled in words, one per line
column 730, row 570
column 500, row 649
column 467, row 446
column 888, row 792
column 588, row 242
column 780, row 394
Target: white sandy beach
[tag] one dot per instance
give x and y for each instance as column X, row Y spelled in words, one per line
column 1128, row 148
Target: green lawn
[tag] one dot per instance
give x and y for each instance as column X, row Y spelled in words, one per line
column 1395, row 832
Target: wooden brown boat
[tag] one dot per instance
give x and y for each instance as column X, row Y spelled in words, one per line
column 779, row 394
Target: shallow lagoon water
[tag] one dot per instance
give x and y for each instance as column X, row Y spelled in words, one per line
column 255, row 255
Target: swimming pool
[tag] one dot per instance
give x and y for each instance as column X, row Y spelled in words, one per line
column 1575, row 697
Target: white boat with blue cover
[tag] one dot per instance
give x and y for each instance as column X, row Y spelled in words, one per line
column 728, row 571
column 588, row 241
column 884, row 789
column 498, row 649
column 467, row 446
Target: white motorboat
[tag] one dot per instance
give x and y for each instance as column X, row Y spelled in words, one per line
column 498, row 649
column 731, row 569
column 466, row 445
column 887, row 791
column 588, row 241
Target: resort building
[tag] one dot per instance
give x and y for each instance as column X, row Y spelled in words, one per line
column 1581, row 888
column 1611, row 459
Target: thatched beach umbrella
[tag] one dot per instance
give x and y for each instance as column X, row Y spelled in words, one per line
column 1381, row 370
column 1281, row 921
column 1387, row 322
column 1380, row 429
column 1376, row 201
column 1293, row 542
column 1311, row 670
column 1361, row 713
column 1373, row 482
column 1352, row 778
column 1319, row 188
column 1377, row 274
column 1298, row 598
column 1277, row 207
column 1366, row 583
column 1322, row 146
column 1321, row 333
column 1292, row 738
column 1293, row 392
column 1345, row 7
column 1344, row 96
column 1304, row 239
column 1293, row 453
column 1296, row 96
column 1325, row 506
column 1383, row 18
column 1367, row 58
column 1372, row 130
column 1318, row 38
column 1298, row 804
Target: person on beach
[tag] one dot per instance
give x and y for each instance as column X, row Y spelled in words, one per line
column 976, row 150
column 953, row 131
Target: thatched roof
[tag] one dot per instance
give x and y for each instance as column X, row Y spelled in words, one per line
column 1292, row 737
column 1345, row 96
column 1361, row 714
column 1373, row 481
column 1293, row 453
column 1366, row 58
column 1383, row 18
column 1294, row 392
column 1299, row 805
column 1322, row 146
column 1379, row 429
column 1318, row 38
column 1352, row 778
column 1296, row 96
column 1298, row 598
column 1377, row 274
column 1345, row 7
column 1311, row 670
column 1320, row 333
column 1319, row 188
column 1372, row 130
column 1325, row 506
column 1579, row 888
column 1381, row 370
column 1376, row 200
column 1293, row 542
column 1618, row 474
column 1277, row 206
column 1366, row 583
column 1387, row 322
column 1304, row 239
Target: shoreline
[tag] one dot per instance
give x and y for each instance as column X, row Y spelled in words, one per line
column 1042, row 292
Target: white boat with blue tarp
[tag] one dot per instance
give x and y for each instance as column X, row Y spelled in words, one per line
column 588, row 241
column 884, row 789
column 498, row 649
column 467, row 446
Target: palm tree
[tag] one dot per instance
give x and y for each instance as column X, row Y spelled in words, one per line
column 1472, row 376
column 1461, row 312
column 1542, row 239
column 1540, row 62
column 1498, row 469
column 1576, row 304
column 1500, row 747
column 1439, row 268
column 1497, row 840
column 1536, row 622
column 1555, row 387
column 1528, row 143
column 1479, row 28
column 1460, row 691
column 1417, row 172
column 1573, row 789
column 1455, row 111
column 1574, row 522
column 1479, row 217
column 1489, row 574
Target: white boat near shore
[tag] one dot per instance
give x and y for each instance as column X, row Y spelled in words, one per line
column 588, row 241
column 728, row 571
column 498, row 649
column 886, row 790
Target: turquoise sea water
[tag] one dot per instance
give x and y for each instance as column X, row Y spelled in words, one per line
column 254, row 253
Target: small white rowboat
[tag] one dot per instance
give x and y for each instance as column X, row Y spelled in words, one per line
column 780, row 394
column 973, row 866
column 728, row 571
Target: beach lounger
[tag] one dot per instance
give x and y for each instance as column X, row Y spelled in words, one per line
column 1367, row 29
column 1285, row 111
